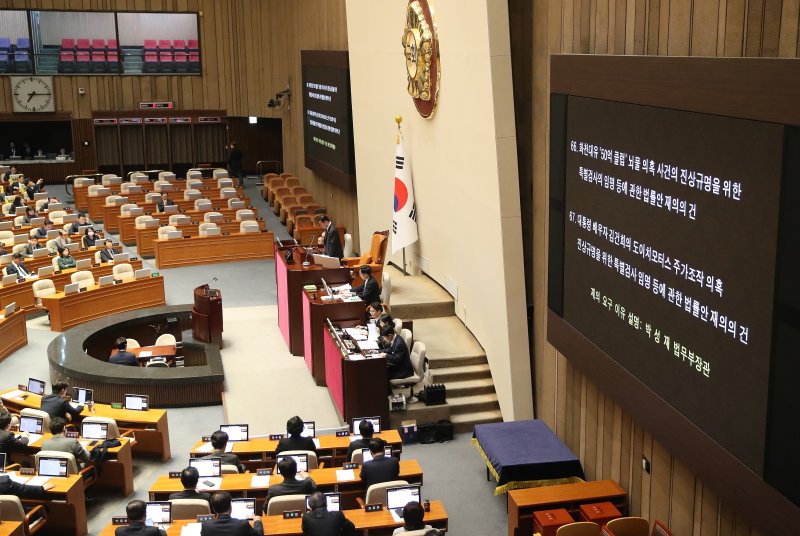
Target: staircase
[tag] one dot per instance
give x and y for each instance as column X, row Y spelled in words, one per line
column 455, row 356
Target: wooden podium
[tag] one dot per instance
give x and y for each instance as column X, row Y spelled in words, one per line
column 207, row 315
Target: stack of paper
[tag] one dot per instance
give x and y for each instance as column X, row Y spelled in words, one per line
column 205, row 447
column 368, row 345
column 345, row 475
column 13, row 394
column 259, row 481
column 192, row 529
column 33, row 438
column 38, row 481
column 356, row 334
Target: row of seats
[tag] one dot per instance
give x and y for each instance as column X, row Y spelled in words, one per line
column 22, row 44
column 291, row 201
column 84, row 278
column 621, row 526
column 138, row 177
column 85, row 62
column 243, row 215
column 16, row 62
column 248, row 226
column 165, row 45
column 88, row 45
column 167, row 62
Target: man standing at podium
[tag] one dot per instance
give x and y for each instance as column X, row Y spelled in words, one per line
column 330, row 238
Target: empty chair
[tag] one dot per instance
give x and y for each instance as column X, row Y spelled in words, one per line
column 150, row 64
column 235, row 202
column 348, row 245
column 39, row 204
column 244, row 214
column 202, row 205
column 162, row 185
column 195, row 182
column 194, row 174
column 227, row 469
column 67, row 44
column 111, row 200
column 249, row 226
column 139, row 221
column 157, row 362
column 204, row 227
column 98, row 62
column 150, row 45
column 83, row 45
column 193, row 45
column 5, row 64
column 57, row 217
column 211, row 216
column 22, row 62
column 164, row 45
column 152, row 197
column 123, row 271
column 84, row 278
column 125, row 210
column 179, row 45
column 166, row 339
column 166, row 62
column 7, row 237
column 285, row 503
column 191, row 193
column 125, row 187
column 581, row 528
column 220, row 173
column 181, row 62
column 629, row 526
column 224, row 182
column 32, row 521
column 133, row 343
column 407, row 337
column 189, row 508
column 83, row 62
column 23, row 43
column 164, row 231
column 166, row 176
column 292, row 181
column 112, row 45
column 82, row 182
column 175, row 219
column 139, row 178
column 92, row 191
column 66, row 62
column 43, row 288
column 109, row 179
column 98, row 45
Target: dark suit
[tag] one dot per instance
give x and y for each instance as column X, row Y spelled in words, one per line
column 88, row 241
column 124, row 358
column 291, row 487
column 225, row 525
column 9, row 442
column 75, row 227
column 398, row 359
column 107, row 255
column 138, row 528
column 357, row 445
column 380, row 469
column 160, row 204
column 227, row 458
column 296, row 443
column 190, row 494
column 23, row 491
column 56, row 406
column 333, row 246
column 368, row 291
column 41, row 232
column 20, row 271
column 29, row 249
column 320, row 522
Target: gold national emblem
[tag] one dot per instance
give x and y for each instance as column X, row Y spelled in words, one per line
column 421, row 49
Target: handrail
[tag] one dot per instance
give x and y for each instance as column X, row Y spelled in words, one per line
column 260, row 166
column 70, row 180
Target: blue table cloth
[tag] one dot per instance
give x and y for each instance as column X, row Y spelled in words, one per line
column 524, row 454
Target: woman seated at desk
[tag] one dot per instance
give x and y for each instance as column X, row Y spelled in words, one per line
column 30, row 213
column 89, row 236
column 65, row 261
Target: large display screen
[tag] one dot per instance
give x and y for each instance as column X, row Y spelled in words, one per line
column 669, row 247
column 327, row 118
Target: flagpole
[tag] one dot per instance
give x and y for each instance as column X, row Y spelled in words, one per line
column 399, row 119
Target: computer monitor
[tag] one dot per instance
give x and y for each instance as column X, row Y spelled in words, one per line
column 300, row 459
column 309, row 429
column 236, row 204
column 397, row 498
column 326, row 262
column 73, row 247
column 243, row 508
column 39, row 253
column 216, row 218
column 121, row 257
column 136, row 211
column 30, row 424
column 137, row 402
column 52, row 233
column 366, row 455
column 51, row 466
column 236, row 432
column 170, row 209
column 55, row 206
column 21, row 238
column 10, row 279
column 82, row 264
column 6, row 225
column 158, row 513
column 36, row 386
column 333, row 499
column 144, row 273
column 45, row 271
column 207, row 467
column 20, row 211
column 69, row 218
column 9, row 309
column 376, row 424
column 2, row 462
column 72, row 288
column 94, row 430
column 106, row 280
column 81, row 395
column 37, row 222
column 6, row 259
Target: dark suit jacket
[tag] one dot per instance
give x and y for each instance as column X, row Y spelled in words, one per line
column 320, row 522
column 333, row 246
column 55, row 406
column 160, row 205
column 41, row 232
column 10, row 442
column 124, row 358
column 190, row 494
column 357, row 445
column 295, row 443
column 380, row 469
column 88, row 241
column 291, row 487
column 138, row 528
column 225, row 525
column 11, row 268
column 23, row 491
column 29, row 249
column 227, row 459
column 398, row 359
column 369, row 291
column 107, row 255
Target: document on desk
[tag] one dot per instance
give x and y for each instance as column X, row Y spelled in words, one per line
column 145, row 353
column 356, row 334
column 345, row 475
column 38, row 481
column 368, row 345
column 192, row 529
column 209, row 483
column 372, row 329
column 350, row 299
column 259, row 481
column 33, row 438
column 19, row 479
column 13, row 394
column 341, row 288
column 356, row 357
column 205, row 447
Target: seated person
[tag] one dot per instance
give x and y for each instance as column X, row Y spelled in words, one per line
column 89, row 237
column 42, row 231
column 29, row 189
column 290, row 485
column 65, row 260
column 366, row 430
column 398, row 359
column 107, row 254
column 75, row 227
column 137, row 511
column 30, row 213
column 55, row 404
column 3, row 249
column 219, row 441
column 165, row 201
column 17, row 201
column 9, row 442
column 374, row 312
column 39, row 186
column 60, row 242
column 320, row 522
column 189, row 478
column 17, row 267
column 50, row 200
column 368, row 290
column 294, row 439
column 123, row 357
column 60, row 443
column 413, row 513
column 32, row 245
column 23, row 491
column 224, row 524
column 380, row 468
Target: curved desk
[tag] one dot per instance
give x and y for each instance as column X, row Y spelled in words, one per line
column 13, row 334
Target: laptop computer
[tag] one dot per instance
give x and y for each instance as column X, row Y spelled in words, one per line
column 51, row 466
column 37, row 222
column 94, row 430
column 121, row 257
column 36, row 386
column 69, row 218
column 73, row 247
column 21, row 238
column 207, row 467
column 39, row 253
column 397, row 498
column 105, row 280
column 39, row 195
column 51, row 234
column 6, row 259
column 144, row 273
column 158, row 513
column 170, row 209
column 376, row 424
column 45, row 271
column 19, row 211
column 333, row 500
column 82, row 264
column 9, row 309
column 30, row 424
column 300, row 459
column 309, row 429
column 55, row 206
column 9, row 279
column 81, row 395
column 243, row 508
column 236, row 432
column 136, row 402
column 6, row 225
column 72, row 288
column 366, row 455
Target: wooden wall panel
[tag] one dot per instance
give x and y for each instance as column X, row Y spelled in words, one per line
column 609, row 442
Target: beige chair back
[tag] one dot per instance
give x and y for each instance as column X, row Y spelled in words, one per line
column 113, row 429
column 376, row 493
column 386, row 288
column 166, row 339
column 133, row 343
column 162, row 231
column 348, row 245
column 189, row 508
column 57, row 216
column 108, row 180
column 152, row 197
column 18, row 248
column 125, row 209
column 43, row 288
column 18, row 222
column 225, row 182
column 7, row 237
column 284, row 503
column 629, row 526
column 220, row 173
column 202, row 205
column 166, row 176
column 111, row 200
column 407, row 337
column 227, row 192
column 82, row 182
column 159, row 184
column 84, row 278
column 139, row 178
column 194, row 175
column 244, row 214
column 139, row 221
column 194, row 183
column 581, row 528
column 30, row 412
column 249, row 227
column 204, row 227
column 124, row 271
column 227, row 469
column 191, row 193
column 208, row 216
column 92, row 191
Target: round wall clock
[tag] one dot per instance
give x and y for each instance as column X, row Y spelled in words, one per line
column 33, row 93
column 421, row 50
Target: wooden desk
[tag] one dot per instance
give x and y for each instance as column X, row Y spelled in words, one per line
column 66, row 507
column 81, row 193
column 22, row 293
column 214, row 249
column 325, row 479
column 290, row 279
column 127, row 224
column 109, row 214
column 12, row 528
column 316, row 313
column 166, row 350
column 144, row 238
column 151, row 427
column 259, row 452
column 13, row 334
column 34, row 264
column 97, row 302
column 523, row 502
